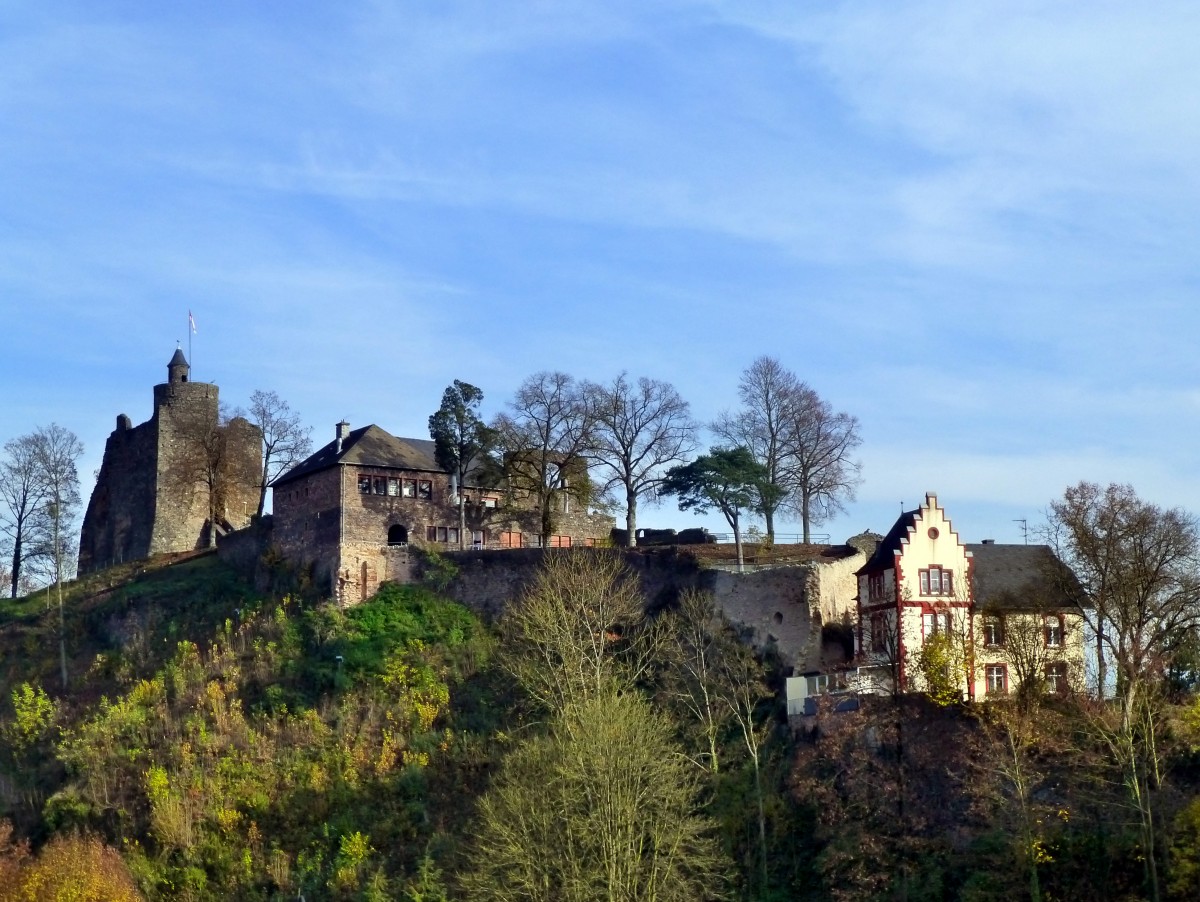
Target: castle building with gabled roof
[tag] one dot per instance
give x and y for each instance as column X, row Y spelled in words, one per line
column 353, row 511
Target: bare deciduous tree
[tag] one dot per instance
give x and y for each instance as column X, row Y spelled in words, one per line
column 285, row 440
column 543, row 442
column 1136, row 566
column 579, row 630
column 763, row 426
column 823, row 471
column 639, row 430
column 23, row 519
column 805, row 446
column 56, row 452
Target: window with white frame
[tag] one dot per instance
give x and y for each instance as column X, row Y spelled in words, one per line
column 940, row 622
column 937, row 581
column 993, row 630
column 1053, row 626
column 1056, row 677
column 996, row 676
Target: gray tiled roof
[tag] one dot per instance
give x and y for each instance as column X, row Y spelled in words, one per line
column 369, row 446
column 1019, row 576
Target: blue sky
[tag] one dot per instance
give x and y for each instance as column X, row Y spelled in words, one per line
column 971, row 225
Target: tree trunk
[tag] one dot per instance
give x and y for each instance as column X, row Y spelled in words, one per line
column 16, row 563
column 62, row 622
column 805, row 517
column 762, row 821
column 769, row 516
column 462, row 517
column 630, row 517
column 737, row 541
column 262, row 493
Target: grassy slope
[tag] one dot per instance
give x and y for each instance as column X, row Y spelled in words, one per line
column 124, row 620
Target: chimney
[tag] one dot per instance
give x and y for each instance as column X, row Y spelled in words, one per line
column 343, row 430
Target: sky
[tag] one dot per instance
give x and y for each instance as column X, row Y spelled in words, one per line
column 972, row 226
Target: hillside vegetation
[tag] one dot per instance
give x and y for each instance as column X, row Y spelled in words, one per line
column 218, row 743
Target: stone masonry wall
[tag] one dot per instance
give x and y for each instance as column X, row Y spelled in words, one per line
column 120, row 514
column 770, row 606
column 184, row 413
column 151, row 495
column 314, row 512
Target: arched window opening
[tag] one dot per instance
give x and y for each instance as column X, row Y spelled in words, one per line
column 397, row 535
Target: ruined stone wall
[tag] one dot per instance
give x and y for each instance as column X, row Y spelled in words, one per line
column 152, row 494
column 120, row 515
column 773, row 607
column 240, row 472
column 185, row 414
column 836, row 588
column 769, row 607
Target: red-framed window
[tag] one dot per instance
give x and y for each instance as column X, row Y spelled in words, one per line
column 996, row 679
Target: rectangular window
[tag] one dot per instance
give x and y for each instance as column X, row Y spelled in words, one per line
column 489, row 502
column 997, row 679
column 477, row 539
column 431, row 533
column 875, row 587
column 453, row 535
column 1054, row 630
column 937, row 623
column 1056, row 677
column 442, row 535
column 393, row 487
column 937, row 581
column 993, row 630
column 380, row 485
column 410, row 488
column 364, row 485
column 879, row 632
column 424, row 489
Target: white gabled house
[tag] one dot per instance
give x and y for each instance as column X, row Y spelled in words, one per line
column 1000, row 608
column 999, row 613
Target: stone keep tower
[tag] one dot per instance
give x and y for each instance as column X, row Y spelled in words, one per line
column 176, row 481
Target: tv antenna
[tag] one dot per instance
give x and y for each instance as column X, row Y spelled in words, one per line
column 1024, row 528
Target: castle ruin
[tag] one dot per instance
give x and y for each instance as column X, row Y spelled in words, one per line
column 174, row 482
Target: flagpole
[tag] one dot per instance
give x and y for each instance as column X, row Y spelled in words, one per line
column 191, row 363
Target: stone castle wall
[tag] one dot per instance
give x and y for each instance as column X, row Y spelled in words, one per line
column 322, row 521
column 184, row 413
column 119, row 521
column 152, row 493
column 771, row 608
